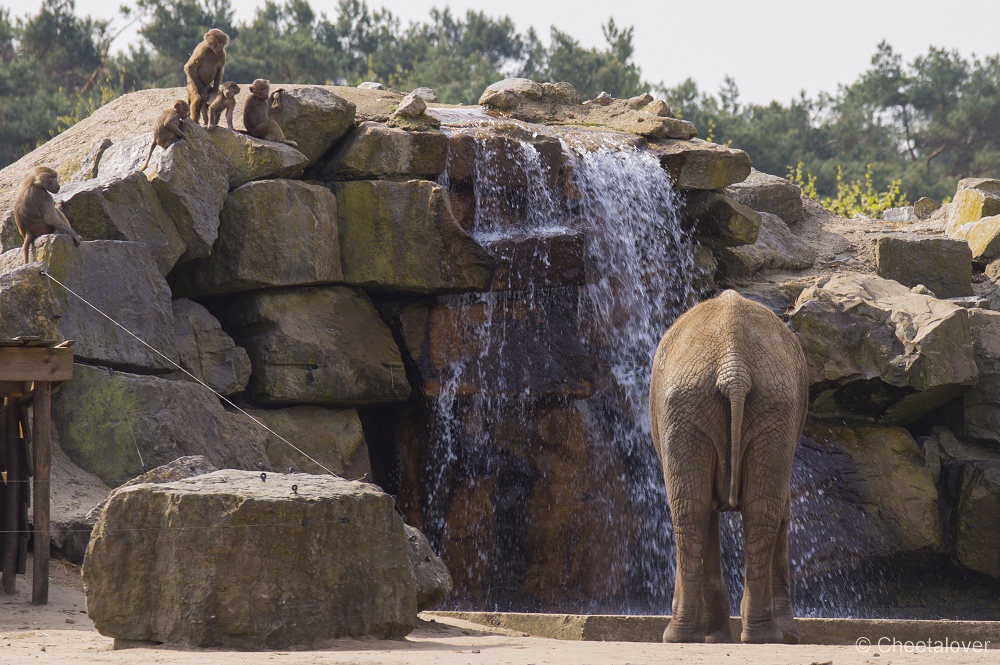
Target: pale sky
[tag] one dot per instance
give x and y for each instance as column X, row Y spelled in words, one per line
column 773, row 48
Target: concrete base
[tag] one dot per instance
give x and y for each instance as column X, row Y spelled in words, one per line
column 619, row 628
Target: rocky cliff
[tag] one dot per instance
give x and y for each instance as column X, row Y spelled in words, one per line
column 462, row 302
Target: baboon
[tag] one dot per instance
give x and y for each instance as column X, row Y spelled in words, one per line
column 257, row 112
column 224, row 100
column 204, row 72
column 168, row 130
column 35, row 213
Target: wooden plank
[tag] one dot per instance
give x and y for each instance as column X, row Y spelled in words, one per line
column 11, row 388
column 41, row 437
column 13, row 497
column 36, row 364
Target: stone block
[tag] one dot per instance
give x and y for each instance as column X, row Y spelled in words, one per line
column 977, row 501
column 697, row 164
column 272, row 233
column 719, row 221
column 768, row 193
column 317, row 345
column 281, row 569
column 776, row 248
column 373, row 150
column 315, row 117
column 256, row 159
column 941, row 264
column 207, row 351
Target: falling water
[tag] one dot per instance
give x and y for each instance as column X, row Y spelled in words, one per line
column 533, row 339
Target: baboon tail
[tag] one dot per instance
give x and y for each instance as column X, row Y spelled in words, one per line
column 149, row 154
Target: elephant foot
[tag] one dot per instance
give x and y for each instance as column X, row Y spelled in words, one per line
column 685, row 634
column 720, row 636
column 789, row 631
column 764, row 632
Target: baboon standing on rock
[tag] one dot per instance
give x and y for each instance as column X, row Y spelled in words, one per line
column 35, row 213
column 257, row 112
column 204, row 72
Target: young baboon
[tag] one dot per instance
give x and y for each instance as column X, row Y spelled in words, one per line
column 257, row 112
column 224, row 100
column 35, row 213
column 204, row 72
column 168, row 130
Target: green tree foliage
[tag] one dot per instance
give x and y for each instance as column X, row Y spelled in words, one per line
column 925, row 124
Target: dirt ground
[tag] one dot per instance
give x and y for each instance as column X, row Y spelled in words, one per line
column 61, row 632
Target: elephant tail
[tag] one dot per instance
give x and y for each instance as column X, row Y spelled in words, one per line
column 734, row 382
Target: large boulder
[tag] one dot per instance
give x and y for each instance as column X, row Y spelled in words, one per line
column 376, row 151
column 116, row 425
column 402, row 236
column 206, row 351
column 191, row 179
column 430, row 576
column 982, row 236
column 315, row 117
column 776, row 248
column 123, row 209
column 942, row 265
column 559, row 103
column 982, row 402
column 769, row 193
column 977, row 501
column 698, row 164
column 313, row 345
column 719, row 221
column 71, row 539
column 971, row 205
column 228, row 560
column 332, row 437
column 988, row 185
column 118, row 278
column 256, row 159
column 870, row 493
column 272, row 233
column 875, row 349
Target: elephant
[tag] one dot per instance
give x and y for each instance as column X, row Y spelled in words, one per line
column 727, row 403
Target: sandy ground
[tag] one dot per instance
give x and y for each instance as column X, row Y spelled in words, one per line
column 61, row 632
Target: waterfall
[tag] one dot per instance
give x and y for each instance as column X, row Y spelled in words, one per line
column 541, row 351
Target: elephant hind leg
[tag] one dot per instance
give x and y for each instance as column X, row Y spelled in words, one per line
column 689, row 465
column 714, row 590
column 781, row 586
column 761, row 519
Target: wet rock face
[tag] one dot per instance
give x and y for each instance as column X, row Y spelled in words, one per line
column 860, row 493
column 977, row 504
column 153, row 571
column 402, row 236
column 120, row 278
column 320, row 345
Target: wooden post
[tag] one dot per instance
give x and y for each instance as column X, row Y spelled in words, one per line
column 41, row 435
column 13, row 497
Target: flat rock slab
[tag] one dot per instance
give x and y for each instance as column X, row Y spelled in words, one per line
column 256, row 159
column 373, row 150
column 271, row 233
column 637, row 628
column 117, row 277
column 698, row 164
column 942, row 265
column 228, row 560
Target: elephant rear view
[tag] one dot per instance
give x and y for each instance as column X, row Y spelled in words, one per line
column 727, row 403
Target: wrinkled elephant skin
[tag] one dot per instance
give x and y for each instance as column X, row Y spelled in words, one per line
column 727, row 403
